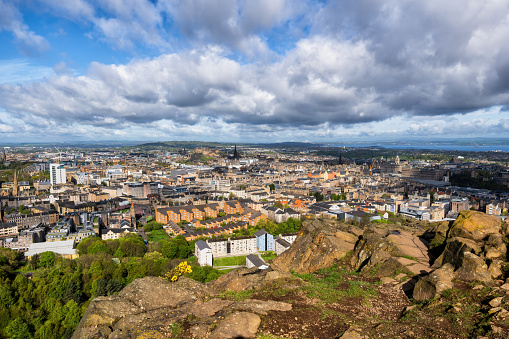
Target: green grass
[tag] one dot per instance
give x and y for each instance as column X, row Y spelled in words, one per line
column 410, row 257
column 237, row 296
column 268, row 256
column 329, row 285
column 229, row 261
column 157, row 235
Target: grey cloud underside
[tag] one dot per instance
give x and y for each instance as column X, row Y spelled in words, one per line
column 363, row 61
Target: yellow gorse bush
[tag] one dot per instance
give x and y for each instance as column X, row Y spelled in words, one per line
column 176, row 272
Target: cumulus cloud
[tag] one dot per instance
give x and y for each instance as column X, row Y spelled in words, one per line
column 353, row 63
column 12, row 21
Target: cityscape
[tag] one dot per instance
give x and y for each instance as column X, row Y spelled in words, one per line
column 254, row 169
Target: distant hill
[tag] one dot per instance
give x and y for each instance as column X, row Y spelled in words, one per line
column 195, row 144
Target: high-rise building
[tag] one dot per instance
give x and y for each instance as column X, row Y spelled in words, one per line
column 57, row 174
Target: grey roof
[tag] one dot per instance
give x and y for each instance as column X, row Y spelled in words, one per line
column 260, row 233
column 255, row 260
column 283, row 242
column 202, row 245
column 64, row 247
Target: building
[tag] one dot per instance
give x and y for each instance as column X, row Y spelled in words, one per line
column 264, row 241
column 57, row 174
column 203, row 253
column 65, row 248
column 254, row 261
column 242, row 245
column 116, row 233
column 219, row 247
column 281, row 245
column 8, row 229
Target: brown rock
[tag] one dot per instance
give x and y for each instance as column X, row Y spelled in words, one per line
column 495, row 269
column 319, row 244
column 237, row 325
column 209, row 308
column 474, row 225
column 243, row 279
column 496, row 251
column 102, row 313
column 353, row 333
column 154, row 292
column 435, row 283
column 261, row 306
column 496, row 302
column 473, row 268
column 454, row 251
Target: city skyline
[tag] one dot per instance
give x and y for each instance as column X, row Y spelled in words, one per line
column 252, row 71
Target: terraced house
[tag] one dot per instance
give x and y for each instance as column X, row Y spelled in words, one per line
column 188, row 212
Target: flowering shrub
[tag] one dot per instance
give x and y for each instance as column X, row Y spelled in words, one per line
column 176, row 272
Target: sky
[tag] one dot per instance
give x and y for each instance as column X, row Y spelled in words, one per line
column 253, row 70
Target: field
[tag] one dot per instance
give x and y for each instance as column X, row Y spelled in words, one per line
column 230, row 261
column 157, row 235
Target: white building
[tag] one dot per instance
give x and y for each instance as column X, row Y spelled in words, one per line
column 57, row 174
column 203, row 253
column 254, row 261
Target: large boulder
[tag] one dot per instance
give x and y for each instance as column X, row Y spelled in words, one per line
column 385, row 253
column 154, row 292
column 474, row 225
column 142, row 306
column 243, row 279
column 440, row 233
column 434, row 284
column 319, row 244
column 473, row 268
column 237, row 325
column 454, row 251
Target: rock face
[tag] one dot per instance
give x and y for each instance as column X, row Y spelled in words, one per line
column 474, row 249
column 237, row 325
column 319, row 244
column 388, row 252
column 244, row 279
column 153, row 308
column 474, row 225
column 435, row 283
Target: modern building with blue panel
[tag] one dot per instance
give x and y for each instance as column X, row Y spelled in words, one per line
column 264, row 241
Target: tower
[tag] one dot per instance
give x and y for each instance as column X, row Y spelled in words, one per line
column 235, row 153
column 397, row 159
column 15, row 186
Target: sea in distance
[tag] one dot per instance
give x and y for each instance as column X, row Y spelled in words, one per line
column 444, row 147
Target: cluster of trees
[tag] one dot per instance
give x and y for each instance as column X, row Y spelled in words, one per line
column 336, row 197
column 319, row 196
column 51, row 304
column 290, row 226
column 130, row 246
column 152, row 226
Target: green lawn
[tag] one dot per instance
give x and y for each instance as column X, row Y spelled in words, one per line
column 268, row 255
column 157, row 235
column 230, row 261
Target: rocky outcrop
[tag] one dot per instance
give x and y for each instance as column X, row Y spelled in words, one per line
column 474, row 225
column 155, row 308
column 320, row 244
column 454, row 251
column 244, row 279
column 473, row 268
column 474, row 249
column 435, row 283
column 237, row 325
column 388, row 252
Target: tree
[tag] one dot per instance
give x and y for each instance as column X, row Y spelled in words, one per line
column 272, row 187
column 47, row 259
column 18, row 329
